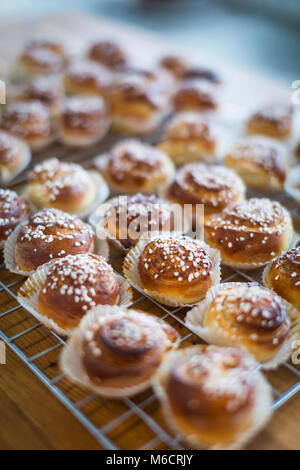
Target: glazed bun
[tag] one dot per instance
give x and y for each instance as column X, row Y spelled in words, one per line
column 48, row 234
column 173, row 64
column 189, row 137
column 179, row 268
column 259, row 162
column 74, row 285
column 82, row 120
column 213, row 397
column 247, row 316
column 110, row 55
column 46, row 89
column 251, row 233
column 139, row 101
column 61, row 185
column 283, row 276
column 41, row 57
column 87, row 78
column 30, row 121
column 116, row 352
column 15, row 156
column 214, row 186
column 195, row 95
column 133, row 166
column 13, row 210
column 273, row 120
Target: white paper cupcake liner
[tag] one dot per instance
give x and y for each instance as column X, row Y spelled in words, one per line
column 261, row 413
column 195, row 318
column 130, row 269
column 28, row 296
column 71, row 362
column 292, row 183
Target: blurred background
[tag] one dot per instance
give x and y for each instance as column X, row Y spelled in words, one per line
column 263, row 35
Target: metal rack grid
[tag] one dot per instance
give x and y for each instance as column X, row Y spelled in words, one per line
column 39, row 348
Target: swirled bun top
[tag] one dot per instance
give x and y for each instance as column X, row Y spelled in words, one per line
column 46, row 89
column 109, row 54
column 49, row 234
column 273, row 120
column 81, row 113
column 214, row 186
column 188, row 125
column 13, row 210
column 51, row 44
column 42, row 57
column 195, row 94
column 86, row 76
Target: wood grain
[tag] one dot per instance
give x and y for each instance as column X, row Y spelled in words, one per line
column 31, row 417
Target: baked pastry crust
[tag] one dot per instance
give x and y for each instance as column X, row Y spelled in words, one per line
column 195, row 94
column 259, row 162
column 110, row 55
column 273, row 120
column 49, row 234
column 189, row 137
column 202, row 73
column 174, row 64
column 116, row 352
column 251, row 233
column 41, row 57
column 214, row 186
column 133, row 166
column 13, row 210
column 83, row 120
column 30, row 121
column 15, row 155
column 61, row 185
column 213, row 397
column 46, row 89
column 87, row 78
column 74, row 285
column 283, row 276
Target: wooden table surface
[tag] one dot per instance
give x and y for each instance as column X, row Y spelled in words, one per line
column 31, row 416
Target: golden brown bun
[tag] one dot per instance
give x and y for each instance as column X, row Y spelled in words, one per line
column 274, row 120
column 109, row 54
column 87, row 78
column 189, row 137
column 214, row 186
column 151, row 213
column 30, row 121
column 133, row 166
column 196, row 95
column 250, row 316
column 51, row 233
column 61, row 185
column 259, row 162
column 139, row 101
column 250, row 233
column 42, row 57
column 54, row 45
column 13, row 210
column 82, row 120
column 178, row 267
column 74, row 285
column 125, row 348
column 283, row 276
column 201, row 73
column 174, row 64
column 209, row 394
column 46, row 89
column 15, row 155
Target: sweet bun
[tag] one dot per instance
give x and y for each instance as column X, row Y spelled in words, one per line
column 248, row 316
column 116, row 352
column 283, row 276
column 201, row 73
column 195, row 94
column 15, row 155
column 251, row 233
column 174, row 64
column 30, row 121
column 62, row 185
column 139, row 101
column 82, row 120
column 74, row 285
column 13, row 210
column 49, row 234
column 46, row 89
column 273, row 120
column 189, row 137
column 259, row 162
column 176, row 270
column 110, row 55
column 133, row 166
column 214, row 186
column 129, row 217
column 87, row 78
column 213, row 397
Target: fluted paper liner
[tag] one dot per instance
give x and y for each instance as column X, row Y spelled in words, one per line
column 71, row 362
column 130, row 269
column 28, row 296
column 195, row 318
column 261, row 409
